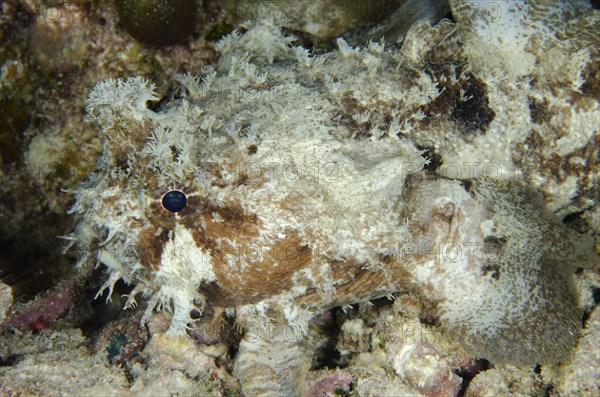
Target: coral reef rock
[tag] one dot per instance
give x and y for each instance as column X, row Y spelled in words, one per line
column 53, row 363
column 581, row 375
column 6, row 300
column 368, row 19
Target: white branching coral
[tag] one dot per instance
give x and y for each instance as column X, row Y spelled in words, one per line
column 279, row 185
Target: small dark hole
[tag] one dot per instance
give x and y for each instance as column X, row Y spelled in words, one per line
column 8, row 360
column 467, row 185
column 587, row 314
column 469, row 372
column 596, row 296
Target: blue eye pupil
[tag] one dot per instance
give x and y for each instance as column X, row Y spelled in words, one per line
column 174, row 201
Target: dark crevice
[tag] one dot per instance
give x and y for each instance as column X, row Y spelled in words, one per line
column 576, row 222
column 588, row 313
column 327, row 356
column 173, row 93
column 27, row 249
column 8, row 360
column 467, row 185
column 435, row 160
column 97, row 313
column 231, row 338
column 469, row 372
column 548, row 390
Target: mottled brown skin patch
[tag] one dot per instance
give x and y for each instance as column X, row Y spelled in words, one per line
column 110, row 200
column 538, row 111
column 150, row 246
column 194, row 202
column 356, row 284
column 251, row 278
column 233, row 224
column 380, row 111
column 472, row 114
column 559, row 167
column 591, row 86
column 254, row 280
column 493, row 268
column 160, row 215
column 449, row 49
column 348, row 107
column 242, row 180
column 363, row 285
column 234, row 216
column 213, row 168
column 588, row 94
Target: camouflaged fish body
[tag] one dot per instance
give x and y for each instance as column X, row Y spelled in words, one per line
column 280, row 184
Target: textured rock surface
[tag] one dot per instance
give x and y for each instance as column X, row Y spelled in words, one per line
column 581, row 376
column 6, row 300
column 53, row 363
column 335, row 17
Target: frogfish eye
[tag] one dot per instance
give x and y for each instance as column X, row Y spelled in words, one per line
column 166, row 206
column 174, row 201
